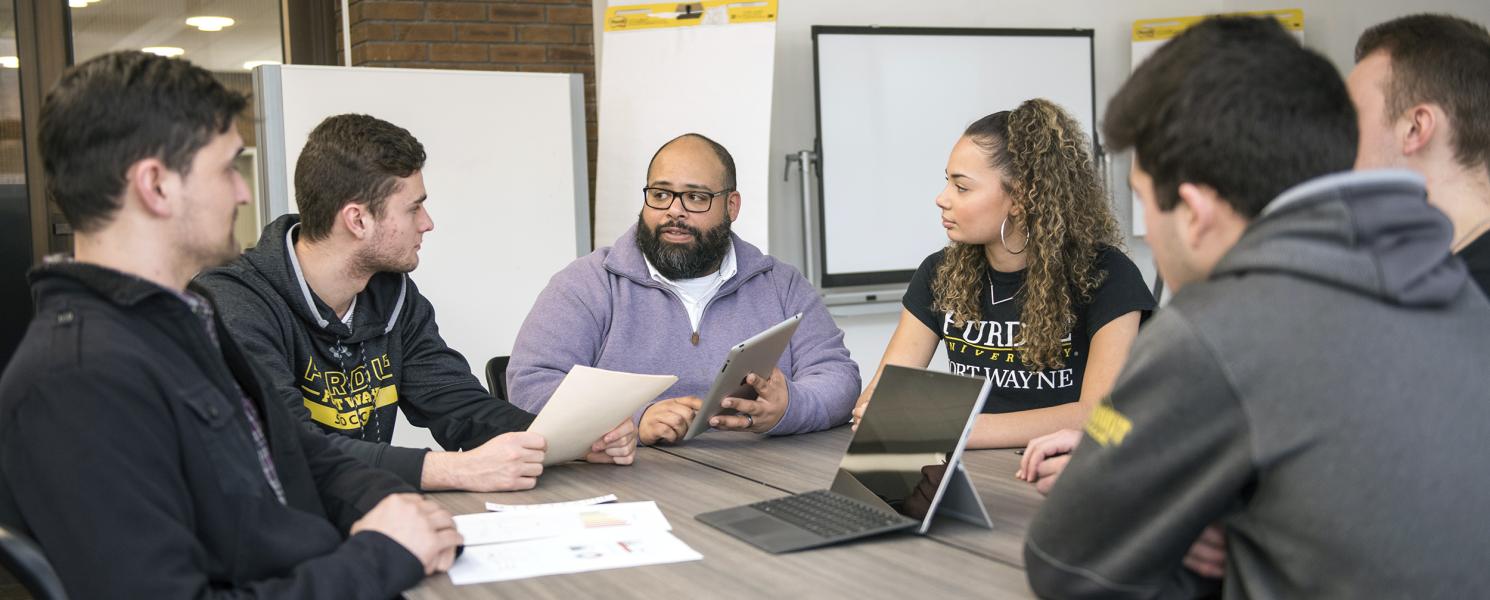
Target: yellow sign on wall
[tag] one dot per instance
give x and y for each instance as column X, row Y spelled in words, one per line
column 1146, row 30
column 688, row 14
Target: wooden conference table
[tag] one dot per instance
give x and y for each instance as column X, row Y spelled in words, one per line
column 720, row 470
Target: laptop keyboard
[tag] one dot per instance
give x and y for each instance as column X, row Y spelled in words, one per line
column 828, row 514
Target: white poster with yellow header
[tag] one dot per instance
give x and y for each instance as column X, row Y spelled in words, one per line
column 1150, row 34
column 674, row 68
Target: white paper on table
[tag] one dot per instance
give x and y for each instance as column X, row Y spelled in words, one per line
column 588, row 404
column 632, row 547
column 494, row 507
column 492, row 528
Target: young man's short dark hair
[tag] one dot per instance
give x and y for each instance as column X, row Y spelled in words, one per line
column 1191, row 116
column 114, row 110
column 1444, row 60
column 351, row 158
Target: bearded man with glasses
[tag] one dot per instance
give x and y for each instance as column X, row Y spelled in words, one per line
column 673, row 295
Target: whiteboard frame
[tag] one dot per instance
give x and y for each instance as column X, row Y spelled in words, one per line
column 901, row 277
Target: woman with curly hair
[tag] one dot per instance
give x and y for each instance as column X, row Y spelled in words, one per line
column 1032, row 292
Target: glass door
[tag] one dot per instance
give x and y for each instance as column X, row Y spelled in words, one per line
column 227, row 37
column 15, row 209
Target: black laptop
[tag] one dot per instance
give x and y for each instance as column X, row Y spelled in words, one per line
column 902, row 466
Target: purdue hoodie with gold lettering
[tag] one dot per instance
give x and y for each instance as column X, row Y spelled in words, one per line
column 349, row 383
column 1323, row 395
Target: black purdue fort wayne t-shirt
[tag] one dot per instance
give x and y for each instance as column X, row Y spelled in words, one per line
column 986, row 348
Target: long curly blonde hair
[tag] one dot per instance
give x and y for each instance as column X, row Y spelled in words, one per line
column 1045, row 160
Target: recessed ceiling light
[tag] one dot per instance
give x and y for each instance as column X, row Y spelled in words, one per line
column 78, row 3
column 258, row 63
column 166, row 51
column 210, row 23
column 10, row 62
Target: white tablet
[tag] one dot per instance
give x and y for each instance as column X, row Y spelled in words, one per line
column 756, row 355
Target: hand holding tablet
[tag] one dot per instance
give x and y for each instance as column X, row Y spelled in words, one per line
column 758, row 413
column 749, row 368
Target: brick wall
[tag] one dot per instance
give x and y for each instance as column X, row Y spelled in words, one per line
column 544, row 36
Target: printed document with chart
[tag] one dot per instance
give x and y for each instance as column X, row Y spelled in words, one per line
column 502, row 546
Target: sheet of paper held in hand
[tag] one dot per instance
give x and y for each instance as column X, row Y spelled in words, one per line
column 588, row 404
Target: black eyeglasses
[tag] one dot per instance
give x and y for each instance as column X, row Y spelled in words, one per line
column 694, row 201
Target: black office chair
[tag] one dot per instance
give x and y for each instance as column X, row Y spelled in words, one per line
column 496, row 376
column 20, row 556
column 24, row 560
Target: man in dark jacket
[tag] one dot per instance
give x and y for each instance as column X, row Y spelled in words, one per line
column 324, row 302
column 1316, row 387
column 136, row 442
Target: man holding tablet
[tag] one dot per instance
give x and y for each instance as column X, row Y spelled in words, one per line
column 672, row 296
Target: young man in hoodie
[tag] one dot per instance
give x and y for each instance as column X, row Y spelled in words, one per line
column 325, row 303
column 137, row 442
column 1419, row 85
column 673, row 295
column 1316, row 386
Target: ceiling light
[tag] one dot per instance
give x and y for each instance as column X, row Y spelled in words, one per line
column 78, row 3
column 258, row 63
column 210, row 23
column 166, row 51
column 10, row 62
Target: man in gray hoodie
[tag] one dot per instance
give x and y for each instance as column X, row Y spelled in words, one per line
column 1317, row 384
column 672, row 296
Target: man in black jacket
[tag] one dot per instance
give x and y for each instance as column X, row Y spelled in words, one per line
column 1419, row 88
column 325, row 304
column 136, row 442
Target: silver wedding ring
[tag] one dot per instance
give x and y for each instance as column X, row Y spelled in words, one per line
column 749, row 421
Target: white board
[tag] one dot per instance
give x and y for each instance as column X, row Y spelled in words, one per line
column 891, row 104
column 714, row 79
column 505, row 175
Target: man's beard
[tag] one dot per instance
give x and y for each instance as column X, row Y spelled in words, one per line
column 213, row 253
column 382, row 256
column 684, row 261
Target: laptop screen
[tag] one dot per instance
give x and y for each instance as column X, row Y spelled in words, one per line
column 910, row 429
